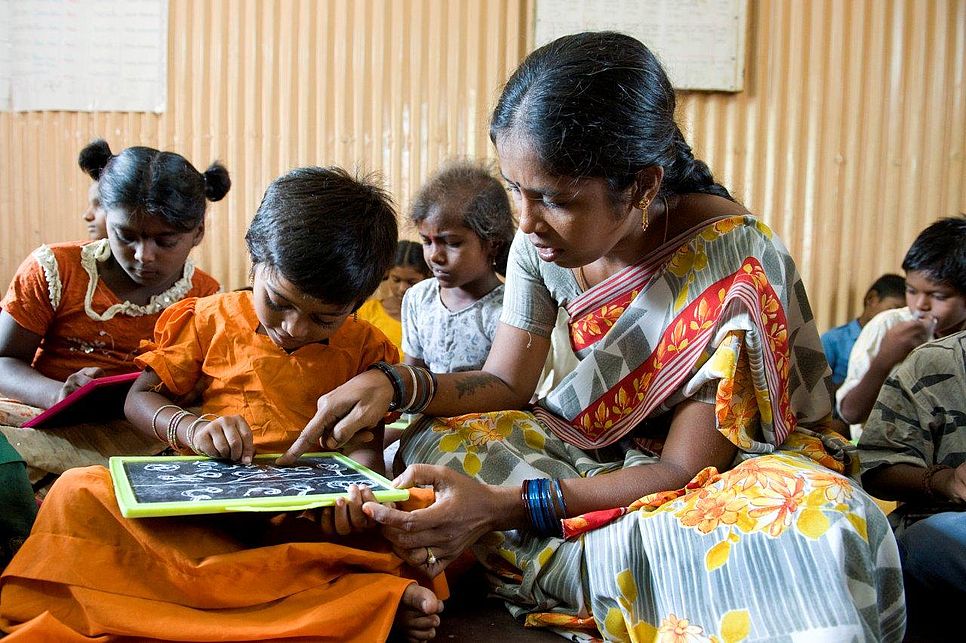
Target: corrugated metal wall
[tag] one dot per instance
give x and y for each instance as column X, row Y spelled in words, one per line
column 849, row 137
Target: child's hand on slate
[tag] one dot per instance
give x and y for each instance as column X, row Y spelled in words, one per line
column 227, row 437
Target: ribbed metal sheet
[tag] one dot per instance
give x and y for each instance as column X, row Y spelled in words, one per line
column 849, row 137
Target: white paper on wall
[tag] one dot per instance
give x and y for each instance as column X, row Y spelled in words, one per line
column 701, row 43
column 83, row 55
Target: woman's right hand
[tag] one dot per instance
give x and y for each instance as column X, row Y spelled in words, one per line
column 464, row 511
column 76, row 380
column 343, row 415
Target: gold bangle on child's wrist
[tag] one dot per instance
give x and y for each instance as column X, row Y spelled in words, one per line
column 154, row 420
column 189, row 435
column 173, row 428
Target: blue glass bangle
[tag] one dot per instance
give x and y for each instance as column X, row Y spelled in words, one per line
column 541, row 505
column 537, row 506
column 533, row 504
column 546, row 523
column 525, row 497
column 560, row 496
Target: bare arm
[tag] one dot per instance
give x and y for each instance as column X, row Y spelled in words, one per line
column 857, row 403
column 141, row 405
column 904, row 482
column 370, row 454
column 692, row 444
column 19, row 380
column 227, row 437
column 507, row 381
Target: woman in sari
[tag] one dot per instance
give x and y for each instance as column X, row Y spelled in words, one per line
column 681, row 481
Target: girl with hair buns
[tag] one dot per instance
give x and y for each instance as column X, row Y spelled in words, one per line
column 76, row 311
column 89, row 160
column 681, row 481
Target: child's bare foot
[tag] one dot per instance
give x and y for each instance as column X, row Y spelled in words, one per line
column 418, row 615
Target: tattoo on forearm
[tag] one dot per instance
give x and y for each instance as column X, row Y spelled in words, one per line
column 472, row 383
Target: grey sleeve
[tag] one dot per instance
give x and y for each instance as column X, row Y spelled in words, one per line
column 410, row 323
column 897, row 431
column 527, row 302
column 491, row 315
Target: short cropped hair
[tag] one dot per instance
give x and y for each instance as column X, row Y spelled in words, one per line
column 940, row 253
column 889, row 285
column 330, row 235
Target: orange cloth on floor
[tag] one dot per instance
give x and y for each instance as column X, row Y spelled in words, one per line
column 72, row 340
column 86, row 573
column 247, row 373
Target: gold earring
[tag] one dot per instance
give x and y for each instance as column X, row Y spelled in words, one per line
column 643, row 205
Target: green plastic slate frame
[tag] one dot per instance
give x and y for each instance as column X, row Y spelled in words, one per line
column 132, row 508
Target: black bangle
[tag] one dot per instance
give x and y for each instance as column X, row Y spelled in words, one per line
column 397, row 384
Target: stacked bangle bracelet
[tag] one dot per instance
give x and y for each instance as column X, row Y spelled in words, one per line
column 171, row 435
column 154, row 420
column 423, row 386
column 544, row 502
column 189, row 435
column 173, row 428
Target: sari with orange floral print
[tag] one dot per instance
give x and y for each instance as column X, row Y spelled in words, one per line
column 784, row 542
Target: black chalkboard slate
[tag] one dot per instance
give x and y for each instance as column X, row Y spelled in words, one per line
column 184, row 485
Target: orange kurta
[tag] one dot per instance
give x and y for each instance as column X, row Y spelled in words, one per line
column 248, row 374
column 241, row 577
column 52, row 295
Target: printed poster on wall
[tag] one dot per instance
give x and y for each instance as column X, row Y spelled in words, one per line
column 701, row 43
column 83, row 55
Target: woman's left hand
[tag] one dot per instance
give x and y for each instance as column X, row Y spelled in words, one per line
column 433, row 537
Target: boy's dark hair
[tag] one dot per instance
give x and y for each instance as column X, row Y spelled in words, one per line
column 147, row 181
column 409, row 254
column 331, row 236
column 599, row 105
column 482, row 200
column 889, row 285
column 940, row 253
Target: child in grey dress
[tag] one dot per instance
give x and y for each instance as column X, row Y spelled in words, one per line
column 465, row 225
